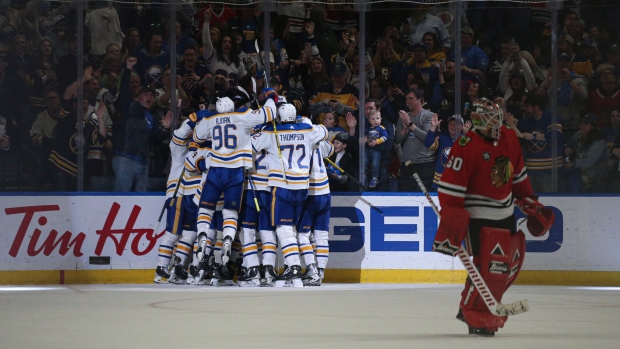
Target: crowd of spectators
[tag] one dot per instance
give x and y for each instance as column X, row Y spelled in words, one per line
column 408, row 92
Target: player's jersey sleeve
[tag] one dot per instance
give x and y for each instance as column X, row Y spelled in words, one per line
column 319, row 133
column 262, row 115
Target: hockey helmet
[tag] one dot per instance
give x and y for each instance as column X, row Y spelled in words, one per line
column 287, row 113
column 487, row 118
column 224, row 105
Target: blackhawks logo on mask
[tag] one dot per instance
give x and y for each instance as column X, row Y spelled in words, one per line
column 502, row 171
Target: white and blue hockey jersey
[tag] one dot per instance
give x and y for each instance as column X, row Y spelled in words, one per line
column 296, row 144
column 190, row 182
column 319, row 182
column 230, row 134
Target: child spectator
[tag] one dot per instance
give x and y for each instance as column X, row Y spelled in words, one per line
column 338, row 181
column 375, row 135
column 329, row 121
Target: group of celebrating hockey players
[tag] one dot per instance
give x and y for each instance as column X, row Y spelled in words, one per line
column 239, row 170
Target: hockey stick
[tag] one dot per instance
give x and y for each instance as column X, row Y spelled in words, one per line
column 494, row 306
column 253, row 191
column 365, row 188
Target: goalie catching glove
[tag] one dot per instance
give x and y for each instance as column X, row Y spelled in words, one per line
column 539, row 218
column 452, row 230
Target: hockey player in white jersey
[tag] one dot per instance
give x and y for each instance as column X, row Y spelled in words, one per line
column 289, row 146
column 231, row 154
column 315, row 217
column 181, row 211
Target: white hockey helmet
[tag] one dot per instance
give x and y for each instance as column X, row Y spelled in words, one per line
column 487, row 118
column 287, row 113
column 224, row 105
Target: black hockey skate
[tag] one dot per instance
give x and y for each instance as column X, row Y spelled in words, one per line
column 482, row 332
column 269, row 277
column 161, row 275
column 311, row 276
column 291, row 277
column 179, row 276
column 459, row 316
column 250, row 277
column 221, row 276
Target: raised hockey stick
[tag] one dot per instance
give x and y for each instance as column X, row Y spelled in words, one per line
column 365, row 188
column 494, row 306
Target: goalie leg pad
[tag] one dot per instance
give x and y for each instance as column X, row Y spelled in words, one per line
column 493, row 262
column 517, row 255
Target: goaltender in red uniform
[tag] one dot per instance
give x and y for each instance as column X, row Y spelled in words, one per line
column 484, row 177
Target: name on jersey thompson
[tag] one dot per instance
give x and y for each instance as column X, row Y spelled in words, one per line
column 288, row 137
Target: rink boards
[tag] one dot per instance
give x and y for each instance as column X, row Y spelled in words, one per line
column 373, row 238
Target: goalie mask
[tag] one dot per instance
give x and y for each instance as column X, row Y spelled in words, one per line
column 287, row 113
column 224, row 105
column 487, row 118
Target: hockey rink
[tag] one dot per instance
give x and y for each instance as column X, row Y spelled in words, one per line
column 331, row 316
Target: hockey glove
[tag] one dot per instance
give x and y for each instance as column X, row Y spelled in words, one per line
column 452, row 230
column 270, row 93
column 201, row 165
column 539, row 218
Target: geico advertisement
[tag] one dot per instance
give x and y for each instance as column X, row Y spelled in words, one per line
column 368, row 232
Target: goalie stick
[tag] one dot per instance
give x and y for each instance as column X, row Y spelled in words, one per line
column 494, row 306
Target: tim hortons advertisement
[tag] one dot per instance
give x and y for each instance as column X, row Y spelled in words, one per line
column 369, row 232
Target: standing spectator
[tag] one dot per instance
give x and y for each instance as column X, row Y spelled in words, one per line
column 131, row 44
column 434, row 53
column 536, row 131
column 42, row 132
column 388, row 64
column 133, row 140
column 313, row 75
column 181, row 41
column 44, row 77
column 152, row 61
column 495, row 67
column 338, row 96
column 104, row 27
column 516, row 66
column 17, row 82
column 606, row 97
column 411, row 131
column 441, row 143
column 338, row 181
column 587, row 157
column 612, row 131
column 223, row 60
column 474, row 61
column 375, row 135
column 421, row 22
column 192, row 70
column 572, row 93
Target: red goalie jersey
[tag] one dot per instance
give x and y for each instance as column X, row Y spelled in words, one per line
column 485, row 176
